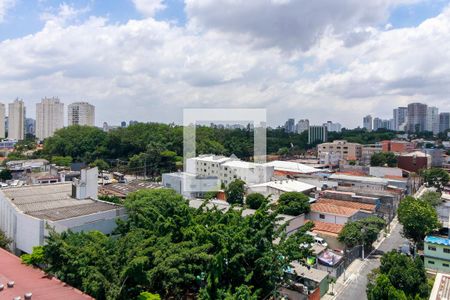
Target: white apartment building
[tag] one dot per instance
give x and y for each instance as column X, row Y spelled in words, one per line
column 16, row 120
column 302, row 125
column 432, row 120
column 81, row 113
column 2, row 121
column 49, row 117
column 227, row 169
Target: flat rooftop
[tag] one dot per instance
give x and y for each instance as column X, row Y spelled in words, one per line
column 31, row 280
column 53, row 202
column 123, row 189
column 441, row 287
column 294, row 167
column 287, row 185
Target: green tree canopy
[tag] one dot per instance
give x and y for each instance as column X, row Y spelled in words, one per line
column 362, row 231
column 293, row 203
column 63, row 161
column 432, row 198
column 382, row 159
column 436, row 177
column 101, row 164
column 235, row 192
column 255, row 200
column 5, row 174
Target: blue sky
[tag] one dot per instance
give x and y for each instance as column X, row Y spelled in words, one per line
column 297, row 58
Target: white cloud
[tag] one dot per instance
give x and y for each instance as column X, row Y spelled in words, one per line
column 5, row 5
column 149, row 7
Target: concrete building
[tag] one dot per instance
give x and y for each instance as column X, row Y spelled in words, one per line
column 333, row 127
column 30, row 126
column 368, row 183
column 441, row 287
column 27, row 212
column 414, row 161
column 368, row 123
column 49, row 117
column 437, row 253
column 317, row 134
column 285, row 168
column 444, row 121
column 81, row 113
column 190, row 185
column 343, row 149
column 289, row 127
column 302, row 125
column 432, row 120
column 400, row 117
column 275, row 189
column 2, row 121
column 397, row 146
column 16, row 120
column 417, row 117
column 377, row 123
column 367, row 151
column 334, row 213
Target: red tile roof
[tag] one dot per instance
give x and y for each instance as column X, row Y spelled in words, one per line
column 333, row 209
column 27, row 279
column 349, row 204
column 327, row 227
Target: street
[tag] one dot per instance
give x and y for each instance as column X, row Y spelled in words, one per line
column 356, row 285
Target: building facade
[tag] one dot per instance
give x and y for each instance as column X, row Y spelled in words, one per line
column 317, row 134
column 437, row 253
column 417, row 117
column 81, row 113
column 302, row 125
column 16, row 120
column 444, row 121
column 333, row 127
column 400, row 115
column 289, row 126
column 377, row 123
column 367, row 123
column 344, row 149
column 432, row 120
column 49, row 117
column 2, row 121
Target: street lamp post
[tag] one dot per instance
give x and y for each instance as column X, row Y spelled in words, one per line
column 363, row 230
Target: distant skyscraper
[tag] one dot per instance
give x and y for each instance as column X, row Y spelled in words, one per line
column 30, row 126
column 302, row 126
column 2, row 121
column 49, row 117
column 333, row 127
column 377, row 123
column 289, row 127
column 81, row 113
column 400, row 118
column 444, row 121
column 367, row 123
column 317, row 134
column 123, row 124
column 16, row 120
column 132, row 122
column 417, row 117
column 432, row 120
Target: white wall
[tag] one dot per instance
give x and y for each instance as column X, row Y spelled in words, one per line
column 329, row 218
column 30, row 232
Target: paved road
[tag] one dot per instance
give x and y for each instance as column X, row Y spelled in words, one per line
column 356, row 290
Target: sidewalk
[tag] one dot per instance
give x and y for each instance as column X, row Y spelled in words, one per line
column 355, row 267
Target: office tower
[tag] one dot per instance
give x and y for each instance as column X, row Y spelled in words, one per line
column 432, row 120
column 123, row 124
column 2, row 121
column 81, row 113
column 377, row 123
column 367, row 123
column 49, row 117
column 317, row 134
column 387, row 124
column 444, row 121
column 417, row 117
column 400, row 118
column 289, row 127
column 30, row 126
column 16, row 120
column 302, row 126
column 333, row 127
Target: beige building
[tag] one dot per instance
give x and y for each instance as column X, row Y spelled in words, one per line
column 2, row 121
column 367, row 151
column 49, row 117
column 81, row 113
column 342, row 149
column 16, row 120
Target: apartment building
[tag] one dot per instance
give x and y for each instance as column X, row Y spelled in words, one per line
column 437, row 253
column 343, row 149
column 49, row 117
column 81, row 113
column 16, row 120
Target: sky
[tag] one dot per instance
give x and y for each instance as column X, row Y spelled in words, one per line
column 147, row 60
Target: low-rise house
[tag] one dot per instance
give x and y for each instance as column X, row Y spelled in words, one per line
column 285, row 168
column 307, row 283
column 28, row 165
column 367, row 182
column 329, row 232
column 437, row 253
column 276, row 188
column 31, row 283
column 414, row 161
column 190, row 185
column 335, row 214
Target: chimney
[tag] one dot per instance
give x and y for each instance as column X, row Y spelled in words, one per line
column 87, row 186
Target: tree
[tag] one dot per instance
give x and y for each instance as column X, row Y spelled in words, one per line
column 63, row 161
column 432, row 198
column 255, row 200
column 364, row 231
column 293, row 203
column 383, row 289
column 436, row 177
column 235, row 192
column 382, row 159
column 148, row 296
column 5, row 174
column 4, row 240
column 100, row 164
column 418, row 218
column 36, row 257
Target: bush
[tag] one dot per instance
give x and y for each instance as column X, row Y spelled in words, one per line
column 255, row 200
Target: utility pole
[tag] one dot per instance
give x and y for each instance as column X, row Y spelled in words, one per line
column 145, row 168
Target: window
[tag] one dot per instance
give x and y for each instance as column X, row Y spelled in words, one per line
column 432, row 248
column 446, row 250
column 431, row 262
column 321, row 216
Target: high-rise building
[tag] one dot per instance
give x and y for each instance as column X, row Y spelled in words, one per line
column 81, row 113
column 432, row 120
column 387, row 124
column 333, row 127
column 417, row 117
column 16, row 120
column 123, row 124
column 377, row 123
column 289, row 126
column 400, row 118
column 317, row 134
column 30, row 126
column 49, row 117
column 367, row 123
column 302, row 126
column 2, row 121
column 444, row 121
